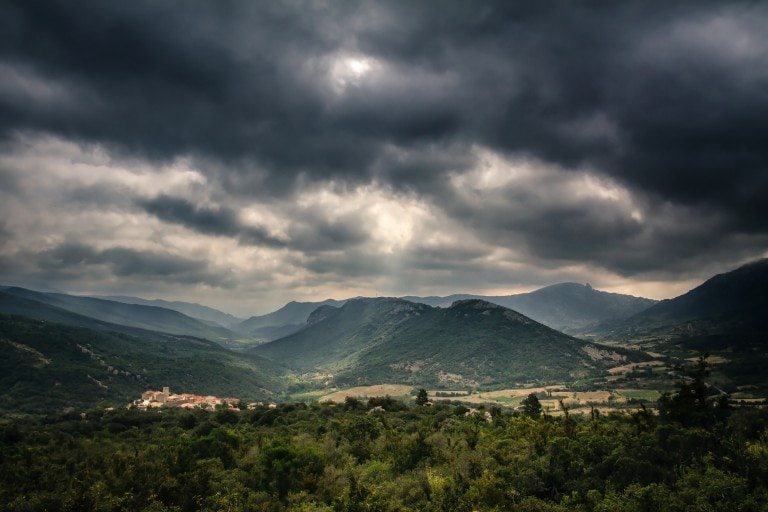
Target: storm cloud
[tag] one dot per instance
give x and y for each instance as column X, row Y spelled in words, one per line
column 321, row 149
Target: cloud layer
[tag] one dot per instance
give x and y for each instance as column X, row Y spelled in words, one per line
column 248, row 153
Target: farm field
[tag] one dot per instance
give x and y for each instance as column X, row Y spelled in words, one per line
column 629, row 367
column 650, row 395
column 393, row 390
column 550, row 396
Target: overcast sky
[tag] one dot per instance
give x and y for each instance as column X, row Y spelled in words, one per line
column 242, row 154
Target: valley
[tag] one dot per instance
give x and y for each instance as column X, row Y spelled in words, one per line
column 385, row 404
column 624, row 388
column 63, row 351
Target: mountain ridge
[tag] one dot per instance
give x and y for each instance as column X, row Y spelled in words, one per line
column 471, row 343
column 191, row 309
column 564, row 306
column 734, row 301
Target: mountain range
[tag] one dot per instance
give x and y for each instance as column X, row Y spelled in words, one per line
column 567, row 307
column 469, row 344
column 64, row 350
column 48, row 366
column 92, row 312
column 206, row 314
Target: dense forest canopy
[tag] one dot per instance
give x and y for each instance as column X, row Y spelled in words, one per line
column 384, row 455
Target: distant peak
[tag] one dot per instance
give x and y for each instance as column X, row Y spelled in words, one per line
column 569, row 285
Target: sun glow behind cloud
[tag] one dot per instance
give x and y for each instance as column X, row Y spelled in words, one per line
column 345, row 70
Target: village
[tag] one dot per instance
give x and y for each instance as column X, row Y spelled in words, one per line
column 164, row 398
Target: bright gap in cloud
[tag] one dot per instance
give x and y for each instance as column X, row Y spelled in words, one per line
column 516, row 183
column 346, row 70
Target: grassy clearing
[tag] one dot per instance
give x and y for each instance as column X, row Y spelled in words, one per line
column 310, row 395
column 593, row 397
column 393, row 390
column 508, row 397
column 629, row 367
column 710, row 360
column 650, row 395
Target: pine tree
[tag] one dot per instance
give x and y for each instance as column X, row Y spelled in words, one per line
column 532, row 406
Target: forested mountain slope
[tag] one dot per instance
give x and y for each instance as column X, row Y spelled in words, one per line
column 47, row 366
column 472, row 343
column 733, row 303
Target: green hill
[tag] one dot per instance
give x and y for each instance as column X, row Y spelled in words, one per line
column 47, row 366
column 472, row 343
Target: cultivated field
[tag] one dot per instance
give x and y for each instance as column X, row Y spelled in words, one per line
column 550, row 397
column 629, row 367
column 650, row 395
column 393, row 390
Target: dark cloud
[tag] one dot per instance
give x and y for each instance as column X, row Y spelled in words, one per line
column 244, row 82
column 312, row 229
column 219, row 221
column 70, row 259
column 267, row 100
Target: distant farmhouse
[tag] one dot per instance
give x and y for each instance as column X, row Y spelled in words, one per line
column 164, row 398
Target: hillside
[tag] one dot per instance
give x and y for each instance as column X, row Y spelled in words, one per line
column 48, row 366
column 472, row 343
column 566, row 307
column 733, row 302
column 725, row 317
column 741, row 294
column 20, row 301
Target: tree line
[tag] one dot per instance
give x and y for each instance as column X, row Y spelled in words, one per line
column 386, row 455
